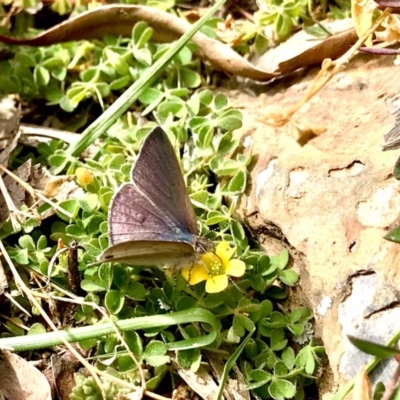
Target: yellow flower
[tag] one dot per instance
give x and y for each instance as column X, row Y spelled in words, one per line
column 214, row 268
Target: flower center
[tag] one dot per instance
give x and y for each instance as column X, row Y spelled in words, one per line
column 213, row 264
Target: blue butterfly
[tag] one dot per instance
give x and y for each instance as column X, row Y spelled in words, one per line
column 151, row 219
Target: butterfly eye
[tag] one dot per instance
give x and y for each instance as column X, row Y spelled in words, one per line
column 203, row 245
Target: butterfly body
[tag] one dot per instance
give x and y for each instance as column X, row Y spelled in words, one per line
column 151, row 220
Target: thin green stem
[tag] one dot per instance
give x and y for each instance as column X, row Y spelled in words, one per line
column 50, row 339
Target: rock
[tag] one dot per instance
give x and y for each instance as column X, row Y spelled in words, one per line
column 330, row 202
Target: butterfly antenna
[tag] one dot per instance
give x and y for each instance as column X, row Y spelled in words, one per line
column 236, row 286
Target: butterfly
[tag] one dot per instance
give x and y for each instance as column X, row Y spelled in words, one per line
column 151, row 219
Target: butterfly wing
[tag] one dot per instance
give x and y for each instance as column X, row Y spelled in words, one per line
column 151, row 220
column 133, row 217
column 157, row 174
column 167, row 253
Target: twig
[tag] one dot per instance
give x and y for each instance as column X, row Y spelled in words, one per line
column 328, row 71
column 391, row 386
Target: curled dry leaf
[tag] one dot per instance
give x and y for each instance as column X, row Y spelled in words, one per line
column 303, row 50
column 10, row 115
column 20, row 380
column 118, row 20
column 61, row 187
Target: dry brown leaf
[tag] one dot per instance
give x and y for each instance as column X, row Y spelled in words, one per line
column 391, row 30
column 36, row 178
column 303, row 50
column 64, row 368
column 20, row 380
column 362, row 386
column 201, row 382
column 119, row 20
column 362, row 12
column 9, row 123
column 56, row 187
column 10, row 115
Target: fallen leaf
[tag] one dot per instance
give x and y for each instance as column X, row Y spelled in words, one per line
column 201, row 382
column 60, row 187
column 303, row 50
column 118, row 20
column 10, row 115
column 362, row 386
column 37, row 178
column 9, row 123
column 64, row 368
column 20, row 380
column 15, row 190
column 362, row 14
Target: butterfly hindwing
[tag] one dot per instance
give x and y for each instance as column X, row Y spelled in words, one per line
column 149, row 253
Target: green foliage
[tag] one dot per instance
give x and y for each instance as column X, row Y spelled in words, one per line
column 282, row 15
column 374, row 349
column 86, row 388
column 272, row 367
column 106, row 69
column 200, row 124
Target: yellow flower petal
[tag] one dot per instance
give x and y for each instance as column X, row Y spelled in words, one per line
column 185, row 272
column 235, row 267
column 216, row 284
column 224, row 251
column 198, row 273
column 210, row 258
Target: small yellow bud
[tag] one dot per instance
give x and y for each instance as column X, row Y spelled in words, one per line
column 84, row 176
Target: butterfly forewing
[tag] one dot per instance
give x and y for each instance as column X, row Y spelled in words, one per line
column 157, row 174
column 133, row 217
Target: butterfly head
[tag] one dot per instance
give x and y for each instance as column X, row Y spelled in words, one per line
column 203, row 245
